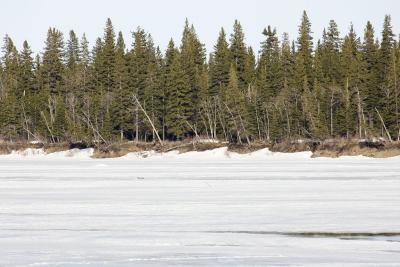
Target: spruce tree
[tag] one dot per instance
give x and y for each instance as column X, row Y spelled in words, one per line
column 154, row 94
column 249, row 67
column 108, row 57
column 10, row 62
column 72, row 56
column 72, row 53
column 387, row 78
column 192, row 55
column 120, row 114
column 53, row 58
column 26, row 75
column 138, row 66
column 97, row 65
column 330, row 55
column 269, row 66
column 371, row 93
column 350, row 67
column 221, row 60
column 304, row 68
column 331, row 79
column 178, row 109
column 85, row 66
column 238, row 53
column 26, row 81
column 287, row 60
column 10, row 120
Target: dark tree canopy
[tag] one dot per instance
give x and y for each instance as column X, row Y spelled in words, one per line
column 339, row 86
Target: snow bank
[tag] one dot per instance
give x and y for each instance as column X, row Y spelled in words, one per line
column 213, row 154
column 219, row 154
column 40, row 153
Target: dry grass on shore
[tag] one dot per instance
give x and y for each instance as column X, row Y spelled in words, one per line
column 328, row 148
column 337, row 148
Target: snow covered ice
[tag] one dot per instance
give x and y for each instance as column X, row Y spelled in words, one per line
column 210, row 208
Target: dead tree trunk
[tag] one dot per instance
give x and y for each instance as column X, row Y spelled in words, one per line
column 331, row 114
column 137, row 124
column 95, row 131
column 384, row 126
column 148, row 118
column 48, row 127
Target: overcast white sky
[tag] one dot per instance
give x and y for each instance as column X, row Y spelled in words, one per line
column 30, row 19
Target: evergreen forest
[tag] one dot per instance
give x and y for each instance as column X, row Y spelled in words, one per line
column 343, row 85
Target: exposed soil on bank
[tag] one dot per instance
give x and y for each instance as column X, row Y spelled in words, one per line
column 329, row 148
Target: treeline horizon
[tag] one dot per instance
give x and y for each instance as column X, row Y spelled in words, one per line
column 339, row 86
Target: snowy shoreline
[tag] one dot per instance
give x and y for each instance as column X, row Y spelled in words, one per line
column 332, row 148
column 216, row 153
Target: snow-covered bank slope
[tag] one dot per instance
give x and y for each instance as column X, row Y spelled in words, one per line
column 219, row 153
column 35, row 153
column 198, row 209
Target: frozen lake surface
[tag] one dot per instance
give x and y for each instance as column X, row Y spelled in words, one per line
column 199, row 209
